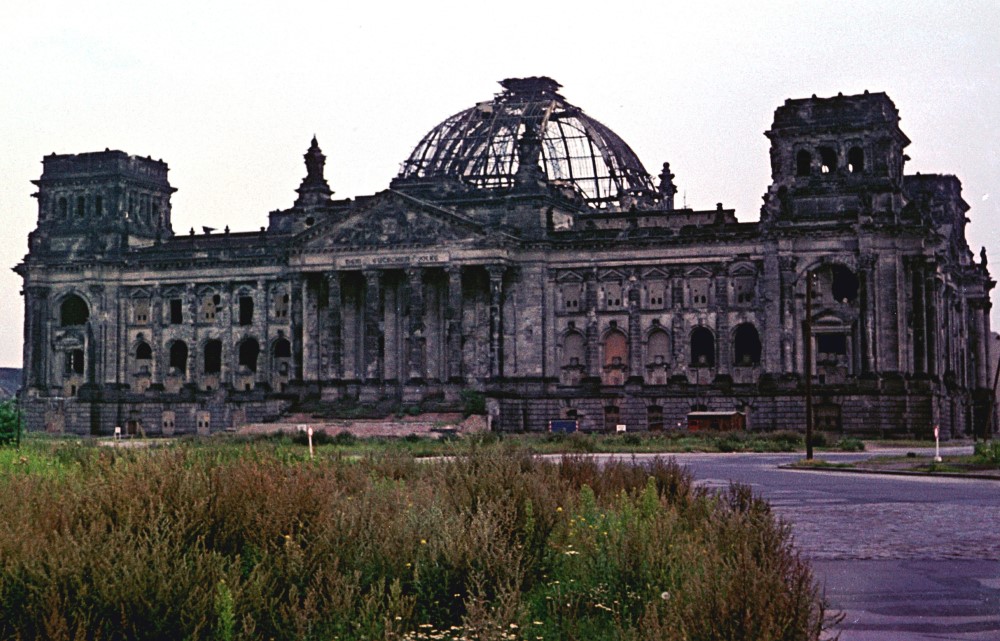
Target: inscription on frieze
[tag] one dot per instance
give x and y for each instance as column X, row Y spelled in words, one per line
column 358, row 262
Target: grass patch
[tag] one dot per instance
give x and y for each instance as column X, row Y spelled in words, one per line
column 252, row 540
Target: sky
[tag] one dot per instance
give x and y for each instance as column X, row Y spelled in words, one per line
column 230, row 93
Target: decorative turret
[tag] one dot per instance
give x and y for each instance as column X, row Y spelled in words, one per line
column 666, row 188
column 314, row 190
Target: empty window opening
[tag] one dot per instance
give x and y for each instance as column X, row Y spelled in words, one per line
column 803, row 163
column 844, row 285
column 143, row 352
column 81, row 207
column 612, row 418
column 63, row 207
column 73, row 311
column 213, row 357
column 831, row 345
column 282, row 348
column 702, row 348
column 176, row 311
column 249, row 350
column 99, row 206
column 74, row 362
column 828, row 160
column 246, row 310
column 179, row 357
column 654, row 418
column 856, row 160
column 746, row 343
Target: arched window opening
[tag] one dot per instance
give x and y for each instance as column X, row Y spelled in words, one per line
column 73, row 311
column 249, row 350
column 702, row 348
column 179, row 356
column 282, row 348
column 843, row 285
column 573, row 355
column 615, row 358
column 615, row 349
column 143, row 352
column 746, row 343
column 856, row 160
column 213, row 357
column 828, row 160
column 658, row 348
column 803, row 163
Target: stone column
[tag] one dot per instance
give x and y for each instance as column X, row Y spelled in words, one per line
column 297, row 312
column 790, row 333
column 35, row 341
column 931, row 317
column 634, row 330
column 416, row 329
column 496, row 319
column 373, row 326
column 867, row 298
column 453, row 314
column 591, row 349
column 334, row 326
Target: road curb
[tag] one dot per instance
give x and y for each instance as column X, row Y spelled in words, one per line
column 854, row 470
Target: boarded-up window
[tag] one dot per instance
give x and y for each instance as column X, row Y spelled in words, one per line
column 743, row 290
column 571, row 293
column 612, row 295
column 699, row 292
column 573, row 354
column 612, row 418
column 615, row 349
column 281, row 304
column 656, row 295
column 209, row 306
column 654, row 418
column 658, row 348
column 141, row 309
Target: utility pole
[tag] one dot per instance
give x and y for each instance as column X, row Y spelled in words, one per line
column 809, row 357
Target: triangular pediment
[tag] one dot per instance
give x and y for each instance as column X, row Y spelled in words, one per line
column 569, row 276
column 655, row 274
column 743, row 269
column 139, row 292
column 606, row 275
column 698, row 272
column 391, row 219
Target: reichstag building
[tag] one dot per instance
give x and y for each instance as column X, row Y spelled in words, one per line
column 522, row 253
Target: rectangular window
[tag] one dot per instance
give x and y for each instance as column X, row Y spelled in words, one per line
column 571, row 297
column 699, row 292
column 176, row 311
column 246, row 310
column 656, row 295
column 141, row 312
column 612, row 296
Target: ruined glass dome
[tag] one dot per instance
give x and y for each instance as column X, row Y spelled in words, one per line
column 481, row 146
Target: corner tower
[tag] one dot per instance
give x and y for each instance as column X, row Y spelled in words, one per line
column 100, row 202
column 836, row 158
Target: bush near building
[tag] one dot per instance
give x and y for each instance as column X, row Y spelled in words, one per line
column 255, row 541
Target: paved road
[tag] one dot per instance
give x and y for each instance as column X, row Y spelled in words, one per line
column 904, row 558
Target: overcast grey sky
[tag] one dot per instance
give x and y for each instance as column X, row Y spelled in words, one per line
column 229, row 93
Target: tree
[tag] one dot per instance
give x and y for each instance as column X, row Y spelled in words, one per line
column 10, row 423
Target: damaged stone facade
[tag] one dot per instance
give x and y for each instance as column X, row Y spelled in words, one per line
column 522, row 252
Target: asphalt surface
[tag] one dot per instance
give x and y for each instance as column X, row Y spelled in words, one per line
column 903, row 558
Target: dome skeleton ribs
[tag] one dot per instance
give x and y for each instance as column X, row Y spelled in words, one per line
column 478, row 146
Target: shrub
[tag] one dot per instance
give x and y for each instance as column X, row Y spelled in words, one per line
column 473, row 402
column 987, row 452
column 851, row 444
column 256, row 541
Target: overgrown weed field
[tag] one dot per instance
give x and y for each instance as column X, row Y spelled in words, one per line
column 253, row 540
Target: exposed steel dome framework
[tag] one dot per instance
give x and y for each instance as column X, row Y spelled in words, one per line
column 480, row 146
